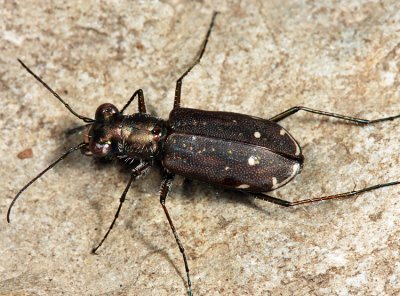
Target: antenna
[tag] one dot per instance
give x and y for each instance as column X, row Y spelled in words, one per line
column 85, row 119
column 41, row 174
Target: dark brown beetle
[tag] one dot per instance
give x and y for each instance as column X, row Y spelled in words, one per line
column 236, row 151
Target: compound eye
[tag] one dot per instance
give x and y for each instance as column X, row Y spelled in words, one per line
column 156, row 133
column 105, row 111
column 156, row 130
column 100, row 149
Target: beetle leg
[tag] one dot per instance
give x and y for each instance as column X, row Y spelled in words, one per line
column 137, row 171
column 286, row 203
column 141, row 104
column 178, row 88
column 293, row 110
column 165, row 188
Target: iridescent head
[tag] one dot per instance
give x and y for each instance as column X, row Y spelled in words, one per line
column 101, row 136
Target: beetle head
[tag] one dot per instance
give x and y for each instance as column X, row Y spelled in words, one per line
column 101, row 136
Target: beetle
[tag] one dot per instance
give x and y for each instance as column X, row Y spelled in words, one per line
column 235, row 151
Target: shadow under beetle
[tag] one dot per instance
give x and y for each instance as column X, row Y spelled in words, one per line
column 235, row 151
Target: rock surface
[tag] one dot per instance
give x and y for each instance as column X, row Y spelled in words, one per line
column 263, row 57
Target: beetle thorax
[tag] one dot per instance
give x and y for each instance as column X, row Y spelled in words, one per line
column 141, row 136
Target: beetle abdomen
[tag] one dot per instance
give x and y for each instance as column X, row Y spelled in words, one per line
column 237, row 151
column 236, row 127
column 232, row 164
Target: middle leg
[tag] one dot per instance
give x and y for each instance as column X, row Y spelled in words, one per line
column 137, row 171
column 178, row 88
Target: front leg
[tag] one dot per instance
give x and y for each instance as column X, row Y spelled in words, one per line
column 137, row 171
column 164, row 190
column 141, row 104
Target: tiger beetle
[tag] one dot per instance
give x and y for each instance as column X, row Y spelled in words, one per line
column 235, row 151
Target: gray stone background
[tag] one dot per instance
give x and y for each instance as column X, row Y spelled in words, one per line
column 263, row 57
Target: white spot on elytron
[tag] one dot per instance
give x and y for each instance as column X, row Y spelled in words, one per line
column 227, row 168
column 234, row 121
column 230, row 151
column 282, row 132
column 184, row 145
column 253, row 160
column 243, row 186
column 257, row 135
column 275, row 184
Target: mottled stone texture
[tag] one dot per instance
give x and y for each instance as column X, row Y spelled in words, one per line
column 263, row 57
